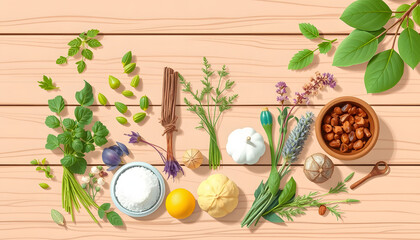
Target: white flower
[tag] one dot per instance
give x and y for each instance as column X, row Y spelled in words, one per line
column 101, row 181
column 86, row 179
column 94, row 170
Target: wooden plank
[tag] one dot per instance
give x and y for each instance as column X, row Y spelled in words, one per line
column 389, row 209
column 24, row 134
column 256, row 63
column 184, row 16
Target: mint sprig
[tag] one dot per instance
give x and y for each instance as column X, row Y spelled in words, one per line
column 81, row 44
column 112, row 216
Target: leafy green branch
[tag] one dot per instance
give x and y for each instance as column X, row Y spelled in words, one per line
column 81, row 43
column 305, row 57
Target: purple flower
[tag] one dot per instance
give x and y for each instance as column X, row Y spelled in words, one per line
column 282, row 99
column 172, row 168
column 329, row 80
column 134, row 137
column 281, row 85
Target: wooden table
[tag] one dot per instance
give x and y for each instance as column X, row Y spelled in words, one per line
column 255, row 39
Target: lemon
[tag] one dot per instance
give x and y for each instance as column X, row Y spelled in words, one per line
column 180, row 203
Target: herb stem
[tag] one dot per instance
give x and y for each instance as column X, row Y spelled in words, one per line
column 407, row 13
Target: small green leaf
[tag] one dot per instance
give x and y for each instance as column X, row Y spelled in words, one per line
column 401, row 10
column 92, row 33
column 416, row 15
column 129, row 68
column 384, row 71
column 409, row 47
column 357, row 48
column 308, row 30
column 68, row 160
column 85, row 96
column 57, row 217
column 52, row 122
column 79, row 166
column 52, row 142
column 410, row 23
column 89, row 148
column 47, row 84
column 83, row 115
column 83, row 36
column 77, row 145
column 44, row 185
column 114, row 218
column 65, row 138
column 75, row 42
column 34, row 162
column 273, row 217
column 259, row 189
column 73, row 51
column 324, row 47
column 99, row 129
column 88, row 54
column 101, row 213
column 349, row 177
column 79, row 132
column 99, row 141
column 301, row 59
column 105, row 206
column 39, row 169
column 61, row 60
column 126, row 58
column 57, row 104
column 69, row 123
column 93, row 43
column 81, row 65
column 288, row 192
column 368, row 15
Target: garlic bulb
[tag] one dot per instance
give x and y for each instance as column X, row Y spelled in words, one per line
column 192, row 158
column 318, row 168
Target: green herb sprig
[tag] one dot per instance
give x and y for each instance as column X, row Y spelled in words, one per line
column 42, row 167
column 385, row 68
column 81, row 43
column 305, row 57
column 209, row 115
column 47, row 83
column 113, row 217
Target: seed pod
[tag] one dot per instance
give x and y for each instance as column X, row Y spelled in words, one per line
column 121, row 107
column 114, row 83
column 121, row 120
column 144, row 103
column 126, row 58
column 129, row 68
column 138, row 117
column 102, row 99
column 135, row 81
column 322, row 209
column 127, row 93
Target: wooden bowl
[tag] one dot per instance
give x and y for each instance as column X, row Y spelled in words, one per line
column 373, row 121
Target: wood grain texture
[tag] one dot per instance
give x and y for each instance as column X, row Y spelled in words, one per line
column 165, row 16
column 384, row 212
column 255, row 62
column 24, row 135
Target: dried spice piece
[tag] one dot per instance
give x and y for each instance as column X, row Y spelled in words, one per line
column 169, row 118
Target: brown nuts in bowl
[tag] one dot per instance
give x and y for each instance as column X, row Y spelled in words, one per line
column 347, row 136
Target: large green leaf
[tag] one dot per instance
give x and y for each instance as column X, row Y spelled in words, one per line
column 384, row 71
column 409, row 47
column 52, row 122
column 273, row 217
column 79, row 166
column 308, row 30
column 288, row 192
column 375, row 33
column 416, row 15
column 368, row 15
column 301, row 59
column 68, row 160
column 357, row 48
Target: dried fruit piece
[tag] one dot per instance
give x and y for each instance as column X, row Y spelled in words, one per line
column 144, row 103
column 135, row 81
column 121, row 107
column 114, row 83
column 121, row 120
column 322, row 210
column 127, row 93
column 138, row 117
column 102, row 99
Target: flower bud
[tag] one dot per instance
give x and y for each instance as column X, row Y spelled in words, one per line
column 135, row 81
column 138, row 117
column 127, row 93
column 129, row 68
column 97, row 188
column 101, row 181
column 102, row 99
column 144, row 103
column 100, row 168
column 83, row 185
column 121, row 120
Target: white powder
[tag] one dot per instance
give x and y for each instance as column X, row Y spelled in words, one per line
column 137, row 189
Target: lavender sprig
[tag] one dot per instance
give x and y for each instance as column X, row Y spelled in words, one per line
column 297, row 137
